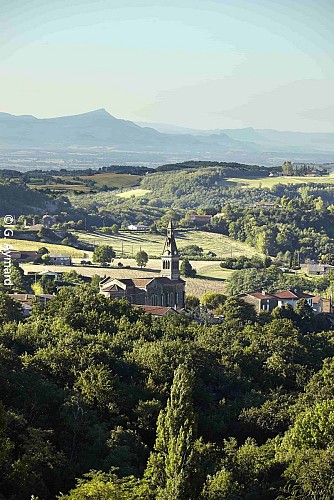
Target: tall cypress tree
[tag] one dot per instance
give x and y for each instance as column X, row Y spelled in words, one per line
column 172, row 464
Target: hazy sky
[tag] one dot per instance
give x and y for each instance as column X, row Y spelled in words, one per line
column 197, row 63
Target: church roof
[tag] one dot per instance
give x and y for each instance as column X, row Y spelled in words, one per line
column 108, row 284
column 141, row 282
column 170, row 247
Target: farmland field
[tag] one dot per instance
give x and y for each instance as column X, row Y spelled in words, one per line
column 152, row 244
column 35, row 245
column 197, row 286
column 269, row 182
column 106, row 179
column 62, row 187
column 134, row 192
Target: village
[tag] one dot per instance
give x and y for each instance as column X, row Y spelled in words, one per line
column 157, row 294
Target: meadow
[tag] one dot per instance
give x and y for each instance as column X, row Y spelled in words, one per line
column 134, row 192
column 110, row 179
column 35, row 245
column 128, row 243
column 117, row 181
column 196, row 286
column 269, row 182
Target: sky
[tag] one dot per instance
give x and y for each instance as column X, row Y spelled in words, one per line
column 203, row 64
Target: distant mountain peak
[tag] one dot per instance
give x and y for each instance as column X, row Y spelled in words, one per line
column 100, row 111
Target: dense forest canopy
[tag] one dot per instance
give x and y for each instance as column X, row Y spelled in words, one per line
column 144, row 408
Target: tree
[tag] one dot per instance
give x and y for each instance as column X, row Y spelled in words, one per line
column 314, row 428
column 192, row 302
column 115, row 229
column 98, row 485
column 42, row 251
column 103, row 254
column 171, row 468
column 17, row 278
column 287, row 168
column 141, row 258
column 304, row 310
column 191, row 250
column 239, row 310
column 186, row 269
column 213, row 300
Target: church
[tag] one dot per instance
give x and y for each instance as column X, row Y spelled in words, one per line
column 166, row 290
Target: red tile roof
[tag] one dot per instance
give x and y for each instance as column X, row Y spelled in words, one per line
column 156, row 310
column 260, row 295
column 140, row 282
column 287, row 294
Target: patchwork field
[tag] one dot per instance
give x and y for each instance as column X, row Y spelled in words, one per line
column 105, row 179
column 129, row 243
column 35, row 245
column 108, row 179
column 269, row 182
column 197, row 286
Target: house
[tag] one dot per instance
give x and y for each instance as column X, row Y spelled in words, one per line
column 261, row 301
column 59, row 260
column 138, row 227
column 276, row 174
column 316, row 268
column 166, row 290
column 289, row 297
column 14, row 255
column 200, row 220
column 35, row 227
column 28, row 255
column 322, row 305
column 27, row 300
column 47, row 220
column 52, row 274
column 158, row 311
column 21, row 255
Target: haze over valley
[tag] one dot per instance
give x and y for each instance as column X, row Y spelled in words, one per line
column 95, row 139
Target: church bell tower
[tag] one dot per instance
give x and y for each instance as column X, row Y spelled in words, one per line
column 170, row 260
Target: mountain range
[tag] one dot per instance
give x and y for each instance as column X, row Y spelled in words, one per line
column 265, row 139
column 100, row 129
column 144, row 142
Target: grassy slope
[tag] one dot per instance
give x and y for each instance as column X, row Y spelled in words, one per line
column 273, row 181
column 134, row 192
column 197, row 286
column 114, row 180
column 221, row 245
column 108, row 179
column 62, row 187
column 35, row 245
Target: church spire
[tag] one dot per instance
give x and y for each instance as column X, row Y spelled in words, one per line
column 170, row 256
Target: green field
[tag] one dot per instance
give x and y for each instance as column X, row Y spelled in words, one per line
column 113, row 180
column 134, row 192
column 35, row 245
column 269, row 182
column 62, row 187
column 132, row 242
column 196, row 286
column 105, row 179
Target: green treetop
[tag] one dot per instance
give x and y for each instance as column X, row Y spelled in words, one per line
column 170, row 467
